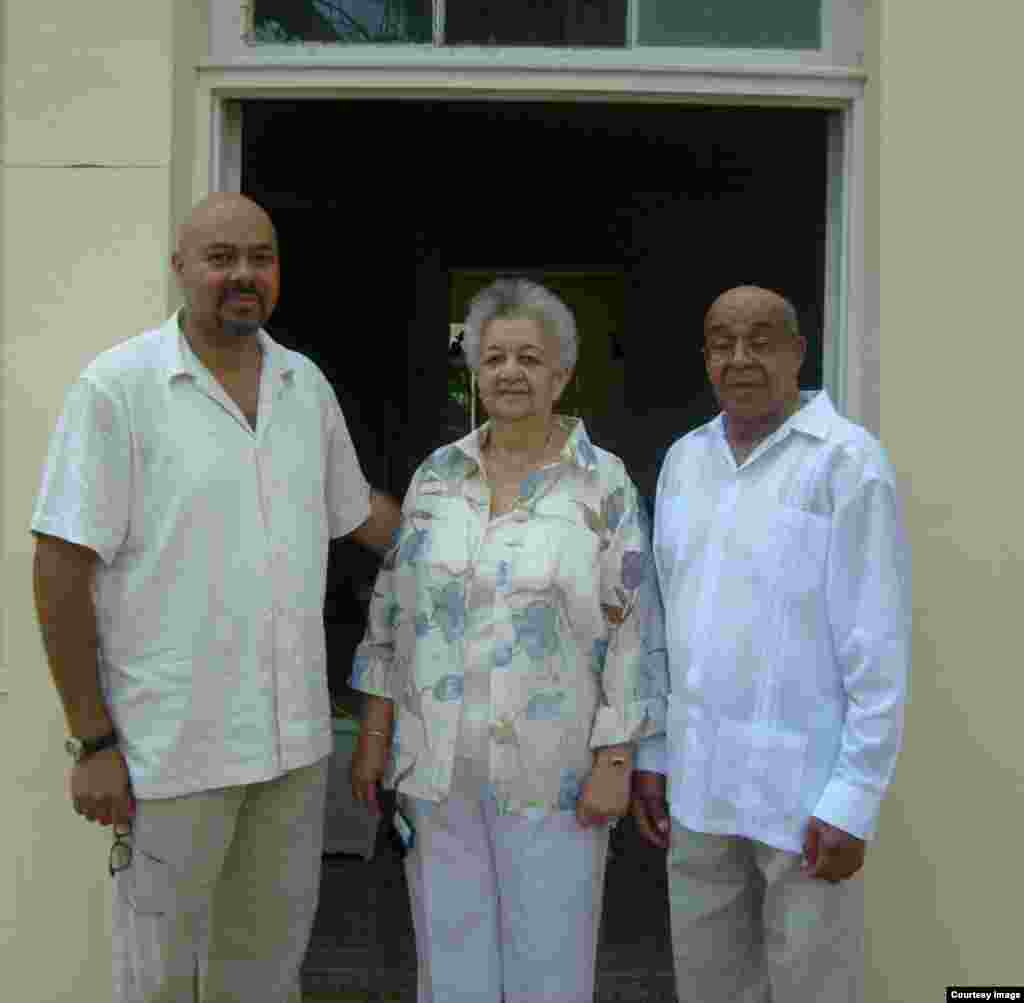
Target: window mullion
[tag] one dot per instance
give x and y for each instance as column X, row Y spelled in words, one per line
column 438, row 23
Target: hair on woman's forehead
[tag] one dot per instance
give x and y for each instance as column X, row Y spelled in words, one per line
column 531, row 318
column 510, row 297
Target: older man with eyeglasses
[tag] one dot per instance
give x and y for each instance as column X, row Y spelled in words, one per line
column 785, row 578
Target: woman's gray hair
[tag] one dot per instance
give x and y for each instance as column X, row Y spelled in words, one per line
column 520, row 298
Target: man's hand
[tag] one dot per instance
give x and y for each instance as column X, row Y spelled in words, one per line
column 369, row 762
column 649, row 808
column 830, row 853
column 101, row 789
column 378, row 532
column 605, row 794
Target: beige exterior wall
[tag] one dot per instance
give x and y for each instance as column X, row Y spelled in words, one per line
column 944, row 883
column 99, row 148
column 93, row 108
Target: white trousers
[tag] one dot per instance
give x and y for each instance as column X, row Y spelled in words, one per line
column 749, row 927
column 505, row 908
column 218, row 902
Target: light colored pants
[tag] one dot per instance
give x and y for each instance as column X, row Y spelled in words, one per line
column 505, row 908
column 749, row 927
column 218, row 903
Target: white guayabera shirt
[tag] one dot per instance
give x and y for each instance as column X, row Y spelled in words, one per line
column 786, row 590
column 213, row 539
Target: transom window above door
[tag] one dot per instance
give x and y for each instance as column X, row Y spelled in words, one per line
column 623, row 24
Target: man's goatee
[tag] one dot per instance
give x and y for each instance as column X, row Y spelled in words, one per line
column 241, row 328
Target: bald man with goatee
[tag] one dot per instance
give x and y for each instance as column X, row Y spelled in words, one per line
column 196, row 475
column 784, row 573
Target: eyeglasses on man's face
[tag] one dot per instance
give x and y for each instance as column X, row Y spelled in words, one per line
column 718, row 350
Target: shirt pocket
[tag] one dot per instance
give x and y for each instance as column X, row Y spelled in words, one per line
column 546, row 552
column 437, row 534
column 759, row 769
column 794, row 548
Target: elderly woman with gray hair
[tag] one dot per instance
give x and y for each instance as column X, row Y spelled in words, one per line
column 514, row 654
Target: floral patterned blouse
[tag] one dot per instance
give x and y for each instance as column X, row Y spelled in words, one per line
column 555, row 601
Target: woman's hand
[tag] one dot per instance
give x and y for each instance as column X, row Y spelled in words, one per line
column 373, row 747
column 605, row 794
column 650, row 810
column 369, row 762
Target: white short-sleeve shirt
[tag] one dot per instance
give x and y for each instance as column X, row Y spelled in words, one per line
column 214, row 541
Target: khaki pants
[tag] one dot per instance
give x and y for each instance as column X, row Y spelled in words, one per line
column 218, row 903
column 749, row 927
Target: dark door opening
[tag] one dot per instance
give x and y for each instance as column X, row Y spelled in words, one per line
column 383, row 209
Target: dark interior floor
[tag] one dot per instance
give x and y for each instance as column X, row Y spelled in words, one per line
column 363, row 938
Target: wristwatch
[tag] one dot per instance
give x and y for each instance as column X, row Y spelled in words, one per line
column 81, row 748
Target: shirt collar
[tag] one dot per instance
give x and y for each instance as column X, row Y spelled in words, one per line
column 180, row 360
column 578, row 448
column 815, row 417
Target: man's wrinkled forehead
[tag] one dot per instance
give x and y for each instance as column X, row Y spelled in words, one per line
column 747, row 306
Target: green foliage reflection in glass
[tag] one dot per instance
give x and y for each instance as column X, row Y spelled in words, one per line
column 359, row 22
column 783, row 24
column 462, row 412
column 740, row 24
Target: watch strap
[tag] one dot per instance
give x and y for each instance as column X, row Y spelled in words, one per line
column 82, row 747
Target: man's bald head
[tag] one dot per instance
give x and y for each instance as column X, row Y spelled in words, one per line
column 753, row 351
column 226, row 263
column 745, row 299
column 211, row 212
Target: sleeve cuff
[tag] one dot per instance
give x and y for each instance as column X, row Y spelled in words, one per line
column 852, row 809
column 372, row 674
column 641, row 720
column 105, row 545
column 652, row 755
column 341, row 524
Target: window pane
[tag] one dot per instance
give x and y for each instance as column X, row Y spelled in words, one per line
column 536, row 22
column 346, row 21
column 740, row 24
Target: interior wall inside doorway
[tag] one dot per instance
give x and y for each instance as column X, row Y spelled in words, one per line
column 379, row 203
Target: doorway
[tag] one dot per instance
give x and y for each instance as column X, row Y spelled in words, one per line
column 391, row 213
column 379, row 203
